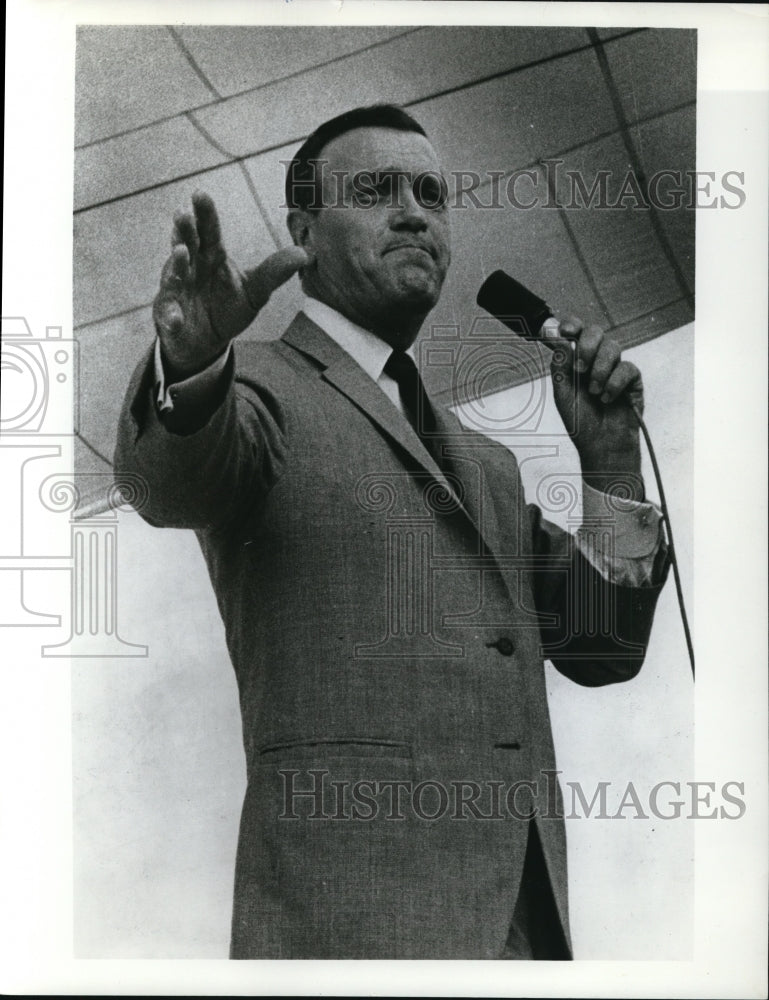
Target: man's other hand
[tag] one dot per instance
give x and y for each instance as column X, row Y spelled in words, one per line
column 204, row 301
column 595, row 392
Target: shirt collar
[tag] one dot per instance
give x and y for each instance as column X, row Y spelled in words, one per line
column 370, row 352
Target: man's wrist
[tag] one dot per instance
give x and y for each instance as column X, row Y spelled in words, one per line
column 624, row 485
column 193, row 395
column 178, row 371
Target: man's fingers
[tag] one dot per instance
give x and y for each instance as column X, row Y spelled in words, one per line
column 176, row 271
column 260, row 282
column 625, row 378
column 570, row 326
column 605, row 360
column 208, row 228
column 587, row 347
column 185, row 232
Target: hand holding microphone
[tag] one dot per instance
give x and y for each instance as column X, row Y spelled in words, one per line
column 598, row 395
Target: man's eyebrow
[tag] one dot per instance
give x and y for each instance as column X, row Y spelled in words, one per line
column 392, row 170
column 414, row 173
column 372, row 173
column 375, row 174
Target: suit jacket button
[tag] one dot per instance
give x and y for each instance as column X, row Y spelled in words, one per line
column 505, row 646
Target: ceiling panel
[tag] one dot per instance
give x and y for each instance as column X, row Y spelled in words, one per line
column 153, row 155
column 407, row 69
column 120, row 248
column 668, row 143
column 619, row 245
column 128, row 76
column 510, row 122
column 606, row 33
column 660, row 319
column 269, row 177
column 640, row 64
column 109, row 353
column 239, row 57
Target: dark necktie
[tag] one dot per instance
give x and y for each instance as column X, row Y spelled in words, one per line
column 400, row 367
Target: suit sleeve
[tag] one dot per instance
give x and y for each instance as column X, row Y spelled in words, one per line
column 599, row 630
column 201, row 469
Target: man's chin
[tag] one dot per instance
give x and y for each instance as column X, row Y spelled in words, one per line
column 418, row 291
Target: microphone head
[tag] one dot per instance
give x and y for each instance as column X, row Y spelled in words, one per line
column 513, row 304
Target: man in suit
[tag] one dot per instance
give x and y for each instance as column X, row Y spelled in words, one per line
column 388, row 596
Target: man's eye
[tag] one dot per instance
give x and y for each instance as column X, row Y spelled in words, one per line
column 363, row 199
column 430, row 190
column 373, row 189
column 386, row 189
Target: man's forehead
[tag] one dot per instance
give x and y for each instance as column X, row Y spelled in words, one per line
column 373, row 148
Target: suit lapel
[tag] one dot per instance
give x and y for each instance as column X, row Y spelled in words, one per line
column 465, row 465
column 345, row 374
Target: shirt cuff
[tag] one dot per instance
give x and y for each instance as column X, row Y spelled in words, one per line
column 620, row 538
column 190, row 391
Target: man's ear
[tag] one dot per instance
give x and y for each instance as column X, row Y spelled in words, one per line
column 300, row 225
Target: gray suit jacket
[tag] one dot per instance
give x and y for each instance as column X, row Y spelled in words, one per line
column 387, row 623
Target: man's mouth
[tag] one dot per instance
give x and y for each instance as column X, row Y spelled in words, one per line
column 412, row 246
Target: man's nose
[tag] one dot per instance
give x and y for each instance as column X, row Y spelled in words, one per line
column 408, row 213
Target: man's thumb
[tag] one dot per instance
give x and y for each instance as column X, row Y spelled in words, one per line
column 562, row 370
column 261, row 281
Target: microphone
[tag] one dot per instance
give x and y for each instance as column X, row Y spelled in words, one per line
column 513, row 304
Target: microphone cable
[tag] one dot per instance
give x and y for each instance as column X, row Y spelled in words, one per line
column 669, row 532
column 523, row 312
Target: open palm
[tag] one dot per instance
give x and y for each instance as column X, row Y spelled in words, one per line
column 204, row 300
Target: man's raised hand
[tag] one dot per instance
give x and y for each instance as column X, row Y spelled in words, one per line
column 204, row 300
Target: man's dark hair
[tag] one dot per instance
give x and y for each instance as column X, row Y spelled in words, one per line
column 302, row 179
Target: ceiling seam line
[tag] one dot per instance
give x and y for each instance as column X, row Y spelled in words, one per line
column 599, row 137
column 258, row 202
column 110, row 316
column 87, row 443
column 192, row 62
column 222, row 99
column 246, row 176
column 638, row 170
column 190, row 116
column 572, row 236
column 554, row 57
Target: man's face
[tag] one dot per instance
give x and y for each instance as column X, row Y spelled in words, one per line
column 381, row 244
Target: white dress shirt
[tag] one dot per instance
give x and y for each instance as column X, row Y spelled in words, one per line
column 625, row 556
